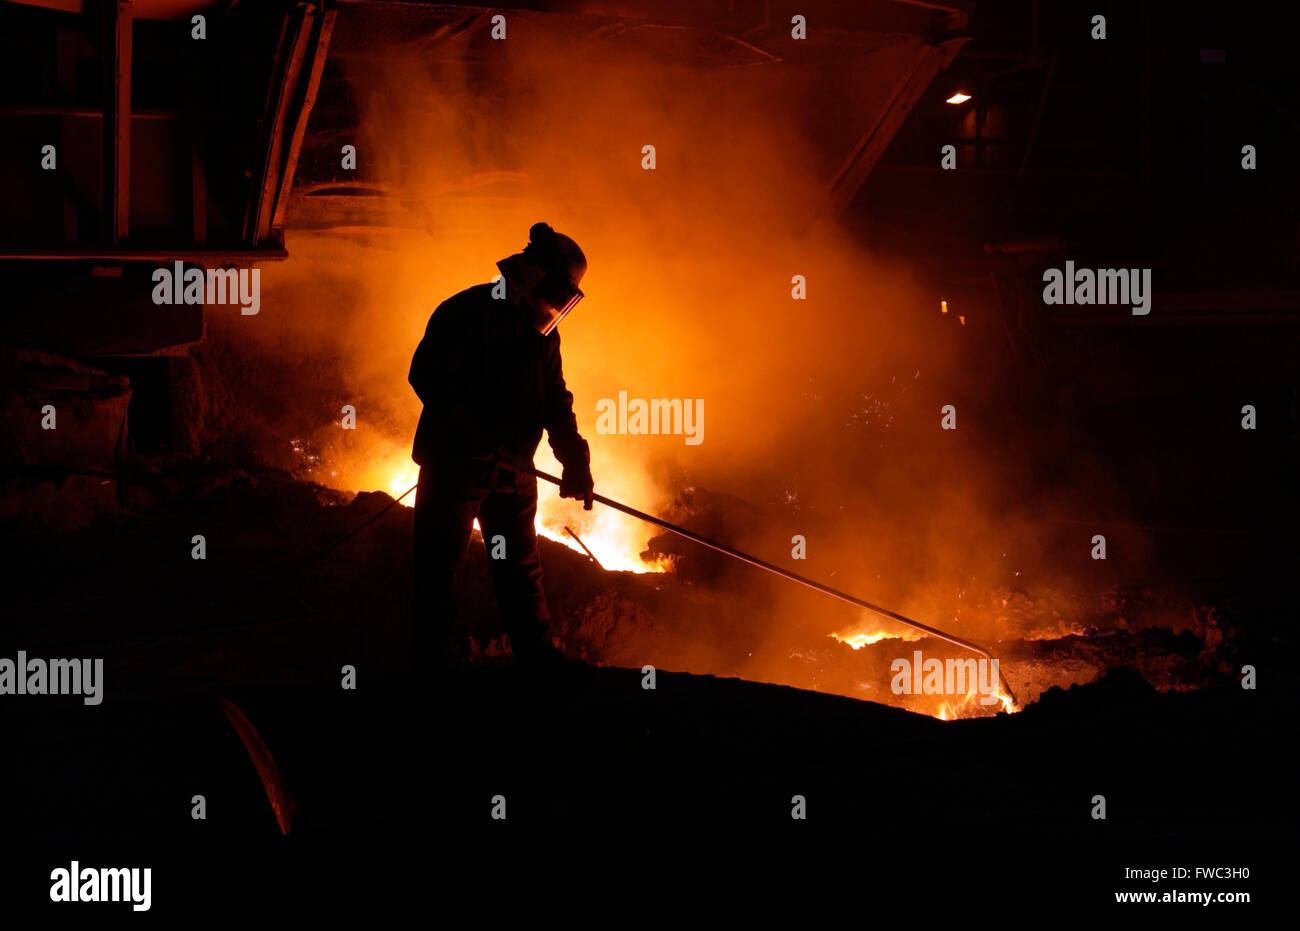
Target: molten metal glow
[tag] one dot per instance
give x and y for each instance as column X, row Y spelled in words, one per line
column 611, row 552
column 403, row 481
column 616, row 540
column 969, row 706
column 864, row 638
column 959, row 97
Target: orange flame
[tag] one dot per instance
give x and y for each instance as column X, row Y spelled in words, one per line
column 615, row 539
column 970, row 705
column 863, row 638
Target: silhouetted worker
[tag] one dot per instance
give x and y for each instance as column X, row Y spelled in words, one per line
column 488, row 371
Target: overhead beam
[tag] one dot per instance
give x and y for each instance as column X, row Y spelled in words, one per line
column 118, row 23
column 929, row 61
column 283, row 91
column 319, row 53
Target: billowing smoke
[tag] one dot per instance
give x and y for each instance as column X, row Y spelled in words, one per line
column 823, row 413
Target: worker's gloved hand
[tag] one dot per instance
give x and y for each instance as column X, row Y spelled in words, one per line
column 577, row 483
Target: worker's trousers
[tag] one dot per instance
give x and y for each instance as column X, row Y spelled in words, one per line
column 450, row 496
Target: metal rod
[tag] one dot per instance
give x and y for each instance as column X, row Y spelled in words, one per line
column 785, row 574
column 583, row 545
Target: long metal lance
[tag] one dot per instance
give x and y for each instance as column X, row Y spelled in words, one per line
column 783, row 573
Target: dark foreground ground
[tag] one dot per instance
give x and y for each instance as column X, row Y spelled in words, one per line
column 620, row 802
column 610, row 787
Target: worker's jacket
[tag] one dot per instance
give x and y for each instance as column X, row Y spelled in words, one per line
column 489, row 381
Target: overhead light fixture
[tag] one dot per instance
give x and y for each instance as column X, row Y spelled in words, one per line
column 959, row 97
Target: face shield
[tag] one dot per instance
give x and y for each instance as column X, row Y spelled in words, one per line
column 552, row 298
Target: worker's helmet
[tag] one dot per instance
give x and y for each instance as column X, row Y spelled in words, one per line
column 562, row 265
